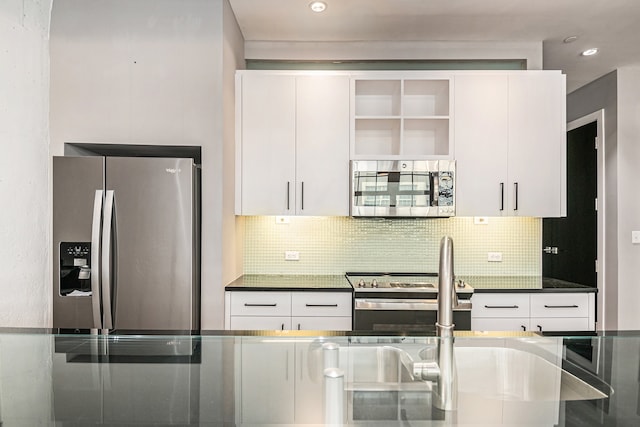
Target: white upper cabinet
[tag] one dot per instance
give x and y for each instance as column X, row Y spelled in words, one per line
column 537, row 144
column 401, row 116
column 510, row 133
column 292, row 144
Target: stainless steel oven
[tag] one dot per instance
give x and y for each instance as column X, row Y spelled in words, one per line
column 412, row 188
column 403, row 302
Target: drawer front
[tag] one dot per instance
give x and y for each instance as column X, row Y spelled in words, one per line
column 321, row 323
column 260, row 323
column 567, row 324
column 321, row 304
column 500, row 305
column 500, row 324
column 260, row 303
column 560, row 305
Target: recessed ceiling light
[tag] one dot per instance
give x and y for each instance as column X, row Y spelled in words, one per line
column 318, row 6
column 570, row 39
column 590, row 52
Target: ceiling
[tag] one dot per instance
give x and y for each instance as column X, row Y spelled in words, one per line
column 610, row 25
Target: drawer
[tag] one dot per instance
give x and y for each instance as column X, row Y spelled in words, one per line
column 500, row 305
column 321, row 323
column 566, row 324
column 560, row 305
column 321, row 304
column 260, row 303
column 260, row 323
column 500, row 324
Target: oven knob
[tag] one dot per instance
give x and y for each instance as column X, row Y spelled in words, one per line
column 361, row 283
column 374, row 283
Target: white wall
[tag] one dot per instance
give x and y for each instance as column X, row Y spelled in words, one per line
column 152, row 72
column 628, row 196
column 24, row 137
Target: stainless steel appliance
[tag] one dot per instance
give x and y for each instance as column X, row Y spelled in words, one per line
column 398, row 188
column 403, row 302
column 126, row 243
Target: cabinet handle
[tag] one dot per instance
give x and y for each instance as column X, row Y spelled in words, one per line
column 282, row 327
column 298, row 326
column 246, row 304
column 524, row 328
column 561, row 306
column 321, row 305
column 302, row 195
column 502, row 196
column 539, row 328
column 501, row 306
column 288, row 183
column 515, row 184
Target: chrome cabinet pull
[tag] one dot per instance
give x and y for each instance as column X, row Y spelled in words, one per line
column 302, row 195
column 502, row 196
column 561, row 306
column 246, row 304
column 321, row 305
column 501, row 306
column 515, row 184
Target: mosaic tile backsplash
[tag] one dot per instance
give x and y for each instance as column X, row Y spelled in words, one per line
column 335, row 245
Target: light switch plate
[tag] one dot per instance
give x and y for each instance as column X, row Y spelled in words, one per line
column 635, row 237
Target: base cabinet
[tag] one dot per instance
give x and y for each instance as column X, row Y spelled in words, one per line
column 308, row 310
column 533, row 312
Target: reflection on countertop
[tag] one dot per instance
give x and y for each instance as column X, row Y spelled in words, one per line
column 290, row 282
column 278, row 379
column 523, row 284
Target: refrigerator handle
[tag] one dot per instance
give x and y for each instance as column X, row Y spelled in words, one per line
column 95, row 259
column 108, row 258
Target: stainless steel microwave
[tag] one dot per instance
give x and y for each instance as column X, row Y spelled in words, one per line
column 403, row 188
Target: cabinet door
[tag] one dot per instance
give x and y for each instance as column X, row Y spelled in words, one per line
column 322, row 145
column 267, row 156
column 321, row 323
column 513, row 304
column 500, row 324
column 537, row 144
column 481, row 137
column 567, row 324
column 260, row 323
column 266, row 382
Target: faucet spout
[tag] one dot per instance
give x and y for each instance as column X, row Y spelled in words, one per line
column 446, row 391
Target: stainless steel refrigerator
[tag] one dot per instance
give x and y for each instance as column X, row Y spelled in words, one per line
column 126, row 243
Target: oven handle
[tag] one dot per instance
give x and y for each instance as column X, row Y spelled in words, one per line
column 405, row 304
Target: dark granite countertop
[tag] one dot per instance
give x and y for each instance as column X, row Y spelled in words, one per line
column 527, row 284
column 49, row 379
column 290, row 282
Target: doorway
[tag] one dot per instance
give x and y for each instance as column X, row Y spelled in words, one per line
column 573, row 245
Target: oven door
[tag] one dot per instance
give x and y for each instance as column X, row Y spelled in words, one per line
column 402, row 188
column 405, row 315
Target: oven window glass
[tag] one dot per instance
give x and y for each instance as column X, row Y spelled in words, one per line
column 393, row 189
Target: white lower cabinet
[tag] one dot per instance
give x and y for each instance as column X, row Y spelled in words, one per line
column 276, row 310
column 279, row 383
column 539, row 312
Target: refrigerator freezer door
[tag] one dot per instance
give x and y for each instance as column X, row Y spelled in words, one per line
column 154, row 274
column 75, row 182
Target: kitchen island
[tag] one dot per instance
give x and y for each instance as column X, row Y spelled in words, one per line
column 230, row 378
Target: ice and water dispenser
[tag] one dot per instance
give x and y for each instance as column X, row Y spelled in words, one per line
column 75, row 268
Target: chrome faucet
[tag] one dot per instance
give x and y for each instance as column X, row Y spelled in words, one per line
column 446, row 392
